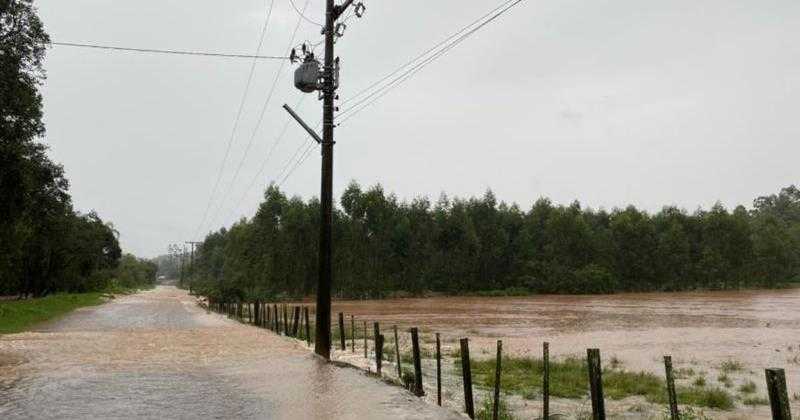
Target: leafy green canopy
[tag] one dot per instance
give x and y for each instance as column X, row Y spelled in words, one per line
column 45, row 245
column 383, row 246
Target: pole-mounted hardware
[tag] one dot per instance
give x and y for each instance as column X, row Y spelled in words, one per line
column 302, row 123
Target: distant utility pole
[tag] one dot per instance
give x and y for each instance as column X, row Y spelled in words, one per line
column 307, row 80
column 191, row 264
column 183, row 257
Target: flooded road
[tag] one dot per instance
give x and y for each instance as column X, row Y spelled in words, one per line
column 158, row 355
column 701, row 330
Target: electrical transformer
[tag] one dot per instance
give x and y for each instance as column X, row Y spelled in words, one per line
column 307, row 76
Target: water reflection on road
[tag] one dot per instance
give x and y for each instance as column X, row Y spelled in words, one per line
column 158, row 355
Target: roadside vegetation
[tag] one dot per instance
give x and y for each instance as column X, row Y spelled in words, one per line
column 385, row 247
column 19, row 315
column 130, row 275
column 46, row 245
column 568, row 379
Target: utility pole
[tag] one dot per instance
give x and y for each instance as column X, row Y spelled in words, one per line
column 191, row 265
column 183, row 258
column 307, row 80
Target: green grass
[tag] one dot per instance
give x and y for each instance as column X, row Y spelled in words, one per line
column 20, row 315
column 569, row 379
column 754, row 401
column 724, row 379
column 485, row 411
column 731, row 366
column 748, row 388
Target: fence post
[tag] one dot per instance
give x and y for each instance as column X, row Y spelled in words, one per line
column 438, row 370
column 353, row 333
column 342, row 338
column 466, row 373
column 596, row 384
column 277, row 319
column 285, row 319
column 365, row 340
column 397, row 354
column 418, row 390
column 376, row 331
column 496, row 407
column 296, row 330
column 545, row 380
column 308, row 328
column 778, row 395
column 673, row 398
column 378, row 353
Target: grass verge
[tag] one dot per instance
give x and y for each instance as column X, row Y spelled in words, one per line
column 19, row 315
column 569, row 379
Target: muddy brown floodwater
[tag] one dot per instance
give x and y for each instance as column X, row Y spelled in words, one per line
column 701, row 330
column 159, row 355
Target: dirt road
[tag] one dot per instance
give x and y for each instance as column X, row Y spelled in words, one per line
column 157, row 354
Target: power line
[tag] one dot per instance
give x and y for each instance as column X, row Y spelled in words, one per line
column 383, row 90
column 302, row 15
column 236, row 120
column 175, row 52
column 302, row 159
column 278, row 74
column 426, row 52
column 266, row 158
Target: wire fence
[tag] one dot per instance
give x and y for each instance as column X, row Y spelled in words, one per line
column 442, row 371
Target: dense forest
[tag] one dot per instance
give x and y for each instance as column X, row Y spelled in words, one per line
column 46, row 245
column 385, row 247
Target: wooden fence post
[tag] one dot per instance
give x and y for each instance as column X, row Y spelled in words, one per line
column 778, row 395
column 342, row 337
column 496, row 406
column 672, row 396
column 308, row 327
column 353, row 333
column 378, row 353
column 418, row 389
column 285, row 320
column 546, row 380
column 296, row 330
column 365, row 340
column 466, row 373
column 596, row 384
column 277, row 319
column 376, row 331
column 438, row 370
column 397, row 354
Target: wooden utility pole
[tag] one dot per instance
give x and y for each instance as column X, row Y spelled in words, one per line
column 191, row 264
column 322, row 337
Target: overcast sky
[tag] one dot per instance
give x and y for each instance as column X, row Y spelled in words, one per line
column 608, row 102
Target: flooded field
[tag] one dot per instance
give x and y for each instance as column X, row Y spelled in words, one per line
column 158, row 355
column 727, row 338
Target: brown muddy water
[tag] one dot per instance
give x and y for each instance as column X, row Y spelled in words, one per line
column 158, row 355
column 701, row 330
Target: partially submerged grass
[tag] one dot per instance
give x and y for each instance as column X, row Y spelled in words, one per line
column 569, row 379
column 754, row 401
column 731, row 365
column 20, row 315
column 724, row 379
column 485, row 412
column 747, row 388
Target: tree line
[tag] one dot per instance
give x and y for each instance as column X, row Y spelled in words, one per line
column 386, row 247
column 46, row 245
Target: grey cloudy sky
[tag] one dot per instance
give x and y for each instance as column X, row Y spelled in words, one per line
column 609, row 102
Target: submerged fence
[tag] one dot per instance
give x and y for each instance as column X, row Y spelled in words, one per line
column 412, row 370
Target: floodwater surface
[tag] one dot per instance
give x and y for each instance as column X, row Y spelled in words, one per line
column 738, row 333
column 158, row 355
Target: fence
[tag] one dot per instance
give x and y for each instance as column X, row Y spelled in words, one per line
column 413, row 369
